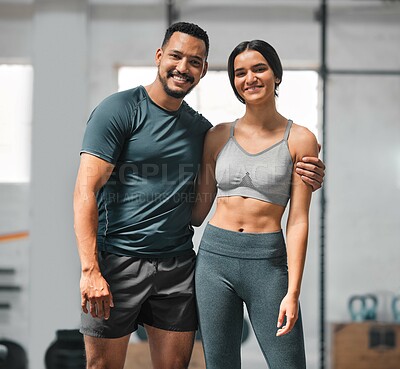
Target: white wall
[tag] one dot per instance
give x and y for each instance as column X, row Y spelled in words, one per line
column 16, row 32
column 75, row 48
column 15, row 47
column 60, row 105
column 364, row 159
column 14, row 254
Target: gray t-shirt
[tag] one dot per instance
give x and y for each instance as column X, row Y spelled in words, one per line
column 145, row 206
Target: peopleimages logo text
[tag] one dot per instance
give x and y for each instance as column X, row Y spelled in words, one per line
column 132, row 174
column 191, row 197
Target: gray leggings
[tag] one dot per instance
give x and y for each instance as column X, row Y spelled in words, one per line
column 233, row 268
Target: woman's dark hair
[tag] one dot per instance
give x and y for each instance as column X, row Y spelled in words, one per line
column 190, row 29
column 269, row 54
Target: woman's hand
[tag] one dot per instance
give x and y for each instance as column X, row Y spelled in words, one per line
column 290, row 309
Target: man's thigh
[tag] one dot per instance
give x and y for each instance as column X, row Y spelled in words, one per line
column 131, row 284
column 155, row 292
column 172, row 304
column 106, row 353
column 170, row 349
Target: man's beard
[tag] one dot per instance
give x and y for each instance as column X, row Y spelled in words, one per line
column 175, row 94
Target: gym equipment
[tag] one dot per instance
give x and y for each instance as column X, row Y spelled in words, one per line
column 3, row 353
column 363, row 307
column 396, row 308
column 12, row 355
column 67, row 352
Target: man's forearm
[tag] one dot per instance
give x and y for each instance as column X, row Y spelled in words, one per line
column 85, row 224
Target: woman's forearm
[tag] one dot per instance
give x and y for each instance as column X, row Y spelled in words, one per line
column 296, row 238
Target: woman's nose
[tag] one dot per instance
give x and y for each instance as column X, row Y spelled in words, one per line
column 250, row 77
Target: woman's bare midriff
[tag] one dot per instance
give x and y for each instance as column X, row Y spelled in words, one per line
column 244, row 214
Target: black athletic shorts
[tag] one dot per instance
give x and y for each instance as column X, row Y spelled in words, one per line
column 158, row 292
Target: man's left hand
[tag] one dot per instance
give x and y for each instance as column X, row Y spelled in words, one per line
column 312, row 171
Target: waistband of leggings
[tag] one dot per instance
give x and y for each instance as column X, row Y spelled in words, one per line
column 242, row 244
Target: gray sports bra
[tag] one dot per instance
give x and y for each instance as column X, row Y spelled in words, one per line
column 265, row 176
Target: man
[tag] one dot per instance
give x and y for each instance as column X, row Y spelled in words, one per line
column 132, row 203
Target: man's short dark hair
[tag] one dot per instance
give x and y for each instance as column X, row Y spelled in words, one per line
column 190, row 29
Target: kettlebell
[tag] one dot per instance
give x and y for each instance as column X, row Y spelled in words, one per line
column 396, row 308
column 12, row 355
column 67, row 351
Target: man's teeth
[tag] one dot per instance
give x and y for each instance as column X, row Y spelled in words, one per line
column 179, row 78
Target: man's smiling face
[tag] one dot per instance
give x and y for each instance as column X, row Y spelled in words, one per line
column 181, row 64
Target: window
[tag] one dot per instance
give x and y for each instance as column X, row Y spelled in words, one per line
column 15, row 122
column 214, row 98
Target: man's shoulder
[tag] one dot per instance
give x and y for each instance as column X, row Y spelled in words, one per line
column 120, row 108
column 131, row 97
column 201, row 122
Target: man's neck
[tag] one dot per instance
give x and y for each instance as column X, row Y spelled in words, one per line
column 161, row 98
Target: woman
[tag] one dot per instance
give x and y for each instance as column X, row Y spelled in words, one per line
column 249, row 166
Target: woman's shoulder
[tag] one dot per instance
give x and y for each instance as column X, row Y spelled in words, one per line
column 217, row 137
column 220, row 128
column 302, row 139
column 300, row 133
column 219, row 131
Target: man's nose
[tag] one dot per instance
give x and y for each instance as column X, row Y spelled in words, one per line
column 182, row 66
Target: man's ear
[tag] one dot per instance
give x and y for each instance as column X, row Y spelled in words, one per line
column 158, row 56
column 204, row 70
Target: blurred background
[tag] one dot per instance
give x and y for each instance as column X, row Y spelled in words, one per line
column 60, row 58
